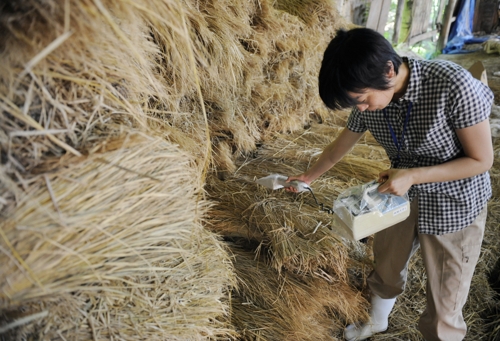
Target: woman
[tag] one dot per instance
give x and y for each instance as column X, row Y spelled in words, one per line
column 431, row 117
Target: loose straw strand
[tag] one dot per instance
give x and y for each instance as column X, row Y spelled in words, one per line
column 30, row 121
column 19, row 259
column 200, row 95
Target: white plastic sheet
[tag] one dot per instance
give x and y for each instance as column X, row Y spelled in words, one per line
column 366, row 211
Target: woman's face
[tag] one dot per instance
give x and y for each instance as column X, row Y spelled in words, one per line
column 372, row 99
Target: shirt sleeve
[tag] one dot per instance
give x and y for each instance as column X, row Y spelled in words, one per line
column 355, row 121
column 470, row 101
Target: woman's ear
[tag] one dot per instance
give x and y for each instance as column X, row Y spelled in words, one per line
column 391, row 73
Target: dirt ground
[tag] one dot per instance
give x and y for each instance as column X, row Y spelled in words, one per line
column 491, row 63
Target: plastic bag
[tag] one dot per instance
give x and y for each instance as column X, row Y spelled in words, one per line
column 365, row 210
column 366, row 198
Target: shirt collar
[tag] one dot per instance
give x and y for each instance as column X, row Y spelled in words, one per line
column 412, row 93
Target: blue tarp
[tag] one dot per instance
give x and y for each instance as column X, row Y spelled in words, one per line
column 461, row 29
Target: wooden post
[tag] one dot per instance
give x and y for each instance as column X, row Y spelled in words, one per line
column 439, row 17
column 420, row 14
column 398, row 20
column 486, row 14
column 377, row 18
column 445, row 30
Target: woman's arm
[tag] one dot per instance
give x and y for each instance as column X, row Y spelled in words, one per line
column 330, row 156
column 478, row 158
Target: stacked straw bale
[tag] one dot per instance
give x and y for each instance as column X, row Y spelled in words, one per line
column 233, row 71
column 215, row 78
column 74, row 77
column 124, row 230
column 116, row 236
column 68, row 71
column 291, row 307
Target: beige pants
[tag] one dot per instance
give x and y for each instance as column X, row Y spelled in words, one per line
column 449, row 261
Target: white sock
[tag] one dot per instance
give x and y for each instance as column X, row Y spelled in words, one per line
column 379, row 320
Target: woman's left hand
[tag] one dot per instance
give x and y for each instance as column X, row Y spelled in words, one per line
column 395, row 181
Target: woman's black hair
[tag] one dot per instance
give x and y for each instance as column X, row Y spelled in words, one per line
column 355, row 60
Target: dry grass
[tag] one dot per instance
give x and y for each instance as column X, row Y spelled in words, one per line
column 64, row 80
column 76, row 75
column 203, row 74
column 285, row 306
column 132, row 254
column 296, row 235
column 277, row 210
column 218, row 79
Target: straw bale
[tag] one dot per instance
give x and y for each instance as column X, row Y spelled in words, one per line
column 119, row 229
column 297, row 236
column 301, row 149
column 284, row 306
column 312, row 12
column 489, row 269
column 67, row 70
column 492, row 314
column 240, row 69
column 271, row 85
column 495, row 170
column 290, row 235
column 493, row 323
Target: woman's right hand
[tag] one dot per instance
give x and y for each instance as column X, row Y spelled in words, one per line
column 328, row 158
column 301, row 177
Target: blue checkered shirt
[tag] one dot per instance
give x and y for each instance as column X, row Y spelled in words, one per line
column 444, row 97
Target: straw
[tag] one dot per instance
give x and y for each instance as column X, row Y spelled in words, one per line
column 273, row 306
column 125, row 62
column 234, row 85
column 132, row 244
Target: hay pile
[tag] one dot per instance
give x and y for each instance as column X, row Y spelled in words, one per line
column 289, row 306
column 72, row 251
column 131, row 131
column 241, row 70
column 120, row 217
column 104, row 244
column 70, row 71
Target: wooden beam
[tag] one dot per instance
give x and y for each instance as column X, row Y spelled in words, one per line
column 439, row 17
column 398, row 20
column 445, row 30
column 423, row 36
column 420, row 14
column 486, row 14
column 377, row 17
